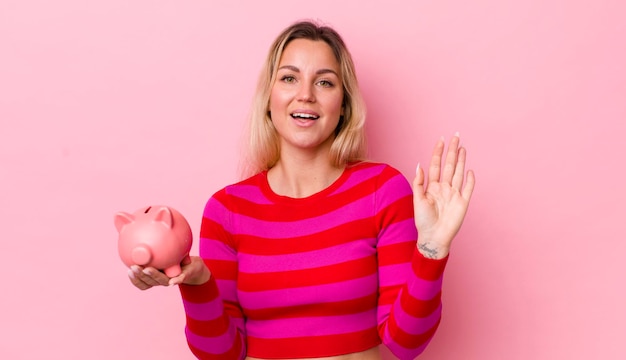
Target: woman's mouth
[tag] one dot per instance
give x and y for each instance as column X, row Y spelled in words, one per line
column 304, row 116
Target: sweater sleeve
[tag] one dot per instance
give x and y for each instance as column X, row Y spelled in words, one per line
column 214, row 319
column 409, row 303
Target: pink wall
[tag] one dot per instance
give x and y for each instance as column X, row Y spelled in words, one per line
column 111, row 105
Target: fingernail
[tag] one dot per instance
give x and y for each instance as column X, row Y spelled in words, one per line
column 417, row 169
column 457, row 134
column 134, row 269
column 131, row 273
column 146, row 271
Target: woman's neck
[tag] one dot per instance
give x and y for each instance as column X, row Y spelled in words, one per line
column 300, row 178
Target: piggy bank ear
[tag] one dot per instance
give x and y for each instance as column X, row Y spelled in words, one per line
column 164, row 216
column 122, row 219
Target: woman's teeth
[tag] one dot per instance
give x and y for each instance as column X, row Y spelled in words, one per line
column 304, row 116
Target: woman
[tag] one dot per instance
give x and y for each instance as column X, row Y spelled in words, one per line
column 316, row 255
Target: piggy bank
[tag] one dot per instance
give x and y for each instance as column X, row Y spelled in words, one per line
column 156, row 236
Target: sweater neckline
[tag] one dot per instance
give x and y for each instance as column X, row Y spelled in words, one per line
column 271, row 195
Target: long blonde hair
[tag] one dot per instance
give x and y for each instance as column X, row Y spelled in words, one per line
column 263, row 142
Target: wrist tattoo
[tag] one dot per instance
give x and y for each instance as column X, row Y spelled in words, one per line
column 426, row 251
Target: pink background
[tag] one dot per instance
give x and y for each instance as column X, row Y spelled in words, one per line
column 113, row 105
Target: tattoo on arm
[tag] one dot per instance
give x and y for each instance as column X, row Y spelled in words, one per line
column 426, row 251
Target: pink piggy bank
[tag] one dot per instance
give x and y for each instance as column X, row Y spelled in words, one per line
column 156, row 236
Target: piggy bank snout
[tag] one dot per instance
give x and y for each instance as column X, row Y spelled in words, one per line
column 141, row 255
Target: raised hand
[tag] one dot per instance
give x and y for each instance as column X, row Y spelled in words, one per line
column 441, row 204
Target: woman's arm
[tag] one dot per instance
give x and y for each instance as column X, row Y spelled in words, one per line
column 411, row 275
column 215, row 326
column 409, row 302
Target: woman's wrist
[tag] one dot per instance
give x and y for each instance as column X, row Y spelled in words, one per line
column 200, row 278
column 195, row 272
column 432, row 250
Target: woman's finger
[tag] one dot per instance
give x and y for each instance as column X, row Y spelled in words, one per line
column 177, row 280
column 459, row 171
column 469, row 186
column 154, row 277
column 149, row 276
column 138, row 283
column 143, row 275
column 418, row 184
column 434, row 170
column 451, row 160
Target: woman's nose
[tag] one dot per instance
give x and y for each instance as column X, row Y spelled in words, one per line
column 305, row 93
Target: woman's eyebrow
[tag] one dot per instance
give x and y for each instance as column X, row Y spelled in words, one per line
column 318, row 72
column 326, row 71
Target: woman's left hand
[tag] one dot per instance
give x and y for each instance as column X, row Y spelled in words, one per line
column 440, row 205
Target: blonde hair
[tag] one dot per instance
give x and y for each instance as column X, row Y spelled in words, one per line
column 263, row 141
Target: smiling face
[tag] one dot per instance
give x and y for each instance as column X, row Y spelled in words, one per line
column 306, row 98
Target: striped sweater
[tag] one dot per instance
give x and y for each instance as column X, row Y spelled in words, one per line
column 330, row 274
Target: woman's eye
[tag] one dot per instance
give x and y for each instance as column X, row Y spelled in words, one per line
column 325, row 83
column 288, row 79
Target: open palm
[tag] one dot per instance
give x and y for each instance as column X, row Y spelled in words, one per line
column 441, row 204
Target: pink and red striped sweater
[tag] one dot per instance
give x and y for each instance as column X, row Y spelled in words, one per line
column 334, row 273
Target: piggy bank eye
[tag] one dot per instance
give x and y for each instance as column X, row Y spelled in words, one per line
column 148, row 209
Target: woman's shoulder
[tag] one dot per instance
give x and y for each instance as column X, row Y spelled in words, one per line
column 373, row 168
column 382, row 176
column 250, row 184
